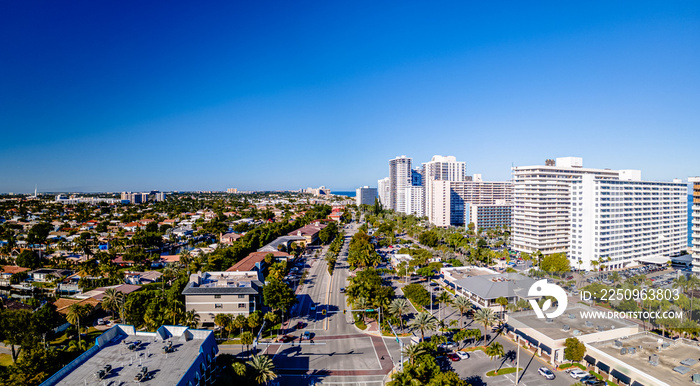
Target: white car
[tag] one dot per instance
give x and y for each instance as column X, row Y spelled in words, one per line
column 545, row 372
column 577, row 373
column 463, row 354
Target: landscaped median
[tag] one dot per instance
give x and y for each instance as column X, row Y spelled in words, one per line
column 503, row 371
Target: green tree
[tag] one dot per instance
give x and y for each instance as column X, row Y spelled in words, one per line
column 503, row 302
column 75, row 313
column 262, row 369
column 240, row 322
column 429, row 238
column 28, row 259
column 574, row 350
column 486, row 317
column 399, row 307
column 247, row 339
column 423, row 321
column 14, row 330
column 191, row 319
column 443, row 299
column 555, row 263
column 494, row 350
column 463, row 305
column 278, row 295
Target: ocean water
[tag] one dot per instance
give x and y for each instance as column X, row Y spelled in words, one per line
column 342, row 193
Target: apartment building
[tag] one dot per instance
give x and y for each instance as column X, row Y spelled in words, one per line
column 415, row 200
column 489, row 216
column 212, row 293
column 618, row 222
column 450, row 200
column 440, row 168
column 365, row 195
column 696, row 224
column 542, row 202
column 383, row 188
column 399, row 179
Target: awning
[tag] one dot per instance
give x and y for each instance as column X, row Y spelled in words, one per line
column 621, row 377
column 589, row 359
column 602, row 366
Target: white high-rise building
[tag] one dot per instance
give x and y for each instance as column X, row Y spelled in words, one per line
column 399, row 180
column 696, row 224
column 414, row 200
column 616, row 223
column 440, row 168
column 365, row 195
column 542, row 201
column 383, row 187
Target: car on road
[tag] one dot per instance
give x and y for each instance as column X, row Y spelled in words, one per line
column 300, row 325
column 447, row 345
column 342, row 290
column 463, row 354
column 306, row 335
column 453, row 357
column 577, row 373
column 546, row 373
column 286, row 338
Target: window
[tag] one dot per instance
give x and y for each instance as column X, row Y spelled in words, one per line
column 217, row 296
column 218, row 305
column 241, row 305
column 241, row 296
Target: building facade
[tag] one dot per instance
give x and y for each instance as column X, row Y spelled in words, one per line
column 617, row 222
column 542, row 201
column 399, row 179
column 490, row 216
column 440, row 168
column 414, row 200
column 451, row 200
column 696, row 224
column 383, row 188
column 213, row 293
column 365, row 195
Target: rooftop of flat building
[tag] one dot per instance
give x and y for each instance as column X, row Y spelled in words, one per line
column 236, row 282
column 679, row 354
column 114, row 348
column 573, row 323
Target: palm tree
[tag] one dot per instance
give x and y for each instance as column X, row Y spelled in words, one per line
column 486, row 317
column 75, row 313
column 423, row 321
column 444, row 299
column 463, row 305
column 112, row 300
column 413, row 351
column 263, row 370
column 247, row 339
column 191, row 319
column 174, row 310
column 222, row 320
column 494, row 350
column 398, row 308
column 474, row 333
column 239, row 368
column 239, row 322
column 362, row 304
column 403, row 378
column 503, row 302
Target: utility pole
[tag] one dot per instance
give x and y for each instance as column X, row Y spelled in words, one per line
column 517, row 360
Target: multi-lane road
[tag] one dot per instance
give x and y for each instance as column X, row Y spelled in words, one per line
column 340, row 352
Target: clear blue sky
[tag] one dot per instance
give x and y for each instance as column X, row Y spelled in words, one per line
column 184, row 95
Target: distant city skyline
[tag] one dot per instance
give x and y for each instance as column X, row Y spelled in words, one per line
column 135, row 97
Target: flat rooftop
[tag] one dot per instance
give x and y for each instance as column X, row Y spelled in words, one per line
column 459, row 273
column 669, row 357
column 164, row 369
column 557, row 328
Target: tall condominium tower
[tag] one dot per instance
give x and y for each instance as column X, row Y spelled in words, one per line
column 365, row 195
column 399, row 180
column 440, row 168
column 541, row 204
column 383, row 188
column 451, row 200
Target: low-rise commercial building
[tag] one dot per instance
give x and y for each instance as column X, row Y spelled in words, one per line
column 173, row 355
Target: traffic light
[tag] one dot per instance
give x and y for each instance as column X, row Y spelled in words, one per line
column 323, row 312
column 345, row 311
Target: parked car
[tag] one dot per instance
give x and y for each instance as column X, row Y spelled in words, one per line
column 596, row 382
column 546, row 373
column 286, row 338
column 453, row 357
column 300, row 325
column 577, row 373
column 463, row 354
column 306, row 335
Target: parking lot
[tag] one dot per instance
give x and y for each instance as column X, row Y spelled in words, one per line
column 475, row 368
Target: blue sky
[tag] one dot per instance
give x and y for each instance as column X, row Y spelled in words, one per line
column 111, row 96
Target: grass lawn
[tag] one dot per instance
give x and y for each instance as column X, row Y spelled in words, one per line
column 503, row 371
column 92, row 333
column 6, row 360
column 567, row 365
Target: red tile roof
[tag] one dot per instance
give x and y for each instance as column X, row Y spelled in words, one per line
column 248, row 262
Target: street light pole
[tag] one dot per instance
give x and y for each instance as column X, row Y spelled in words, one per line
column 517, row 359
